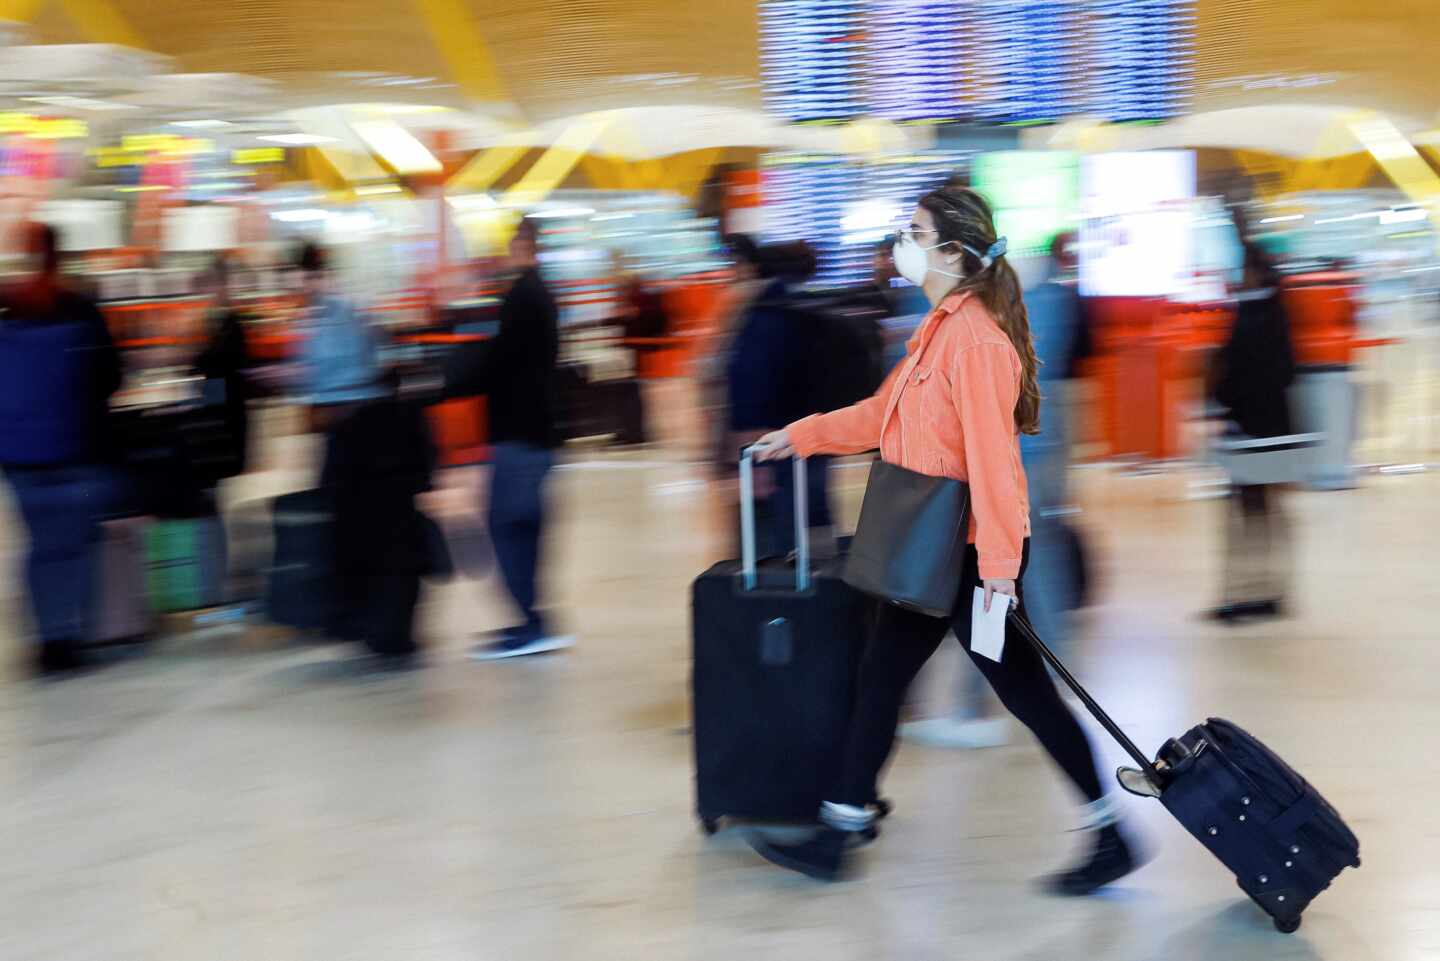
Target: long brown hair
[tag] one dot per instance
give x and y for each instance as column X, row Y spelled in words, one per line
column 964, row 219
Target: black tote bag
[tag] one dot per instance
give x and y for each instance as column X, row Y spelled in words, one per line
column 909, row 546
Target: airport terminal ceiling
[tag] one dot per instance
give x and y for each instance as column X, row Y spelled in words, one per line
column 557, row 58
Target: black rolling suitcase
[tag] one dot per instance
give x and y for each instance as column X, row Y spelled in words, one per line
column 302, row 591
column 776, row 654
column 1277, row 834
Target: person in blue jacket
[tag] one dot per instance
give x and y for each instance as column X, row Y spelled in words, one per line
column 768, row 390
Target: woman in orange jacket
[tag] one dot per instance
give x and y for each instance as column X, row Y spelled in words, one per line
column 955, row 407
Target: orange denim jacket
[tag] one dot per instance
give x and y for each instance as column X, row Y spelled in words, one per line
column 948, row 410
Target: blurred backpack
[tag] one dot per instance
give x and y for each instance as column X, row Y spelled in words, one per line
column 843, row 348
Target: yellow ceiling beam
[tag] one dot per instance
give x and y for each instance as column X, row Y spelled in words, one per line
column 685, row 172
column 487, row 167
column 102, row 22
column 557, row 162
column 605, row 173
column 20, row 11
column 468, row 57
column 1401, row 162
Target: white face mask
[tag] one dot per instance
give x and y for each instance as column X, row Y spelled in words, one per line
column 913, row 264
column 912, row 261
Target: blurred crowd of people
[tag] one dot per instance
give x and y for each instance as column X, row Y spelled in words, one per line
column 776, row 351
column 75, row 463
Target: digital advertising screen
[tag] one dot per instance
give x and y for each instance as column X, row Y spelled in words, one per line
column 1035, row 195
column 1135, row 236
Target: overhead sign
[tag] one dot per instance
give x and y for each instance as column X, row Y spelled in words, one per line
column 258, row 155
column 137, row 150
column 43, row 128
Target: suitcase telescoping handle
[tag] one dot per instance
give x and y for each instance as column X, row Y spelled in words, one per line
column 1147, row 767
column 747, row 520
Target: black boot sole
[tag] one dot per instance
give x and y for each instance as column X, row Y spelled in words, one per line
column 1062, row 885
column 777, row 856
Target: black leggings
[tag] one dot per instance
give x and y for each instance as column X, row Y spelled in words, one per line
column 903, row 642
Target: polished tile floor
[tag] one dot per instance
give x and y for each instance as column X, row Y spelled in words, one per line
column 233, row 796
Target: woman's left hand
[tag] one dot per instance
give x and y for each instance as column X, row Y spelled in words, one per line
column 996, row 586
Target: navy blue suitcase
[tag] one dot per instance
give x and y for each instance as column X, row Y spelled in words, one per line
column 1278, row 835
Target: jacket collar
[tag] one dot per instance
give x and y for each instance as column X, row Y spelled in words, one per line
column 916, row 348
column 950, row 305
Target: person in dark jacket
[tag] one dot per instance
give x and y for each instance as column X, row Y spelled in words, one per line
column 1250, row 382
column 379, row 458
column 223, row 363
column 769, row 387
column 516, row 369
column 59, row 370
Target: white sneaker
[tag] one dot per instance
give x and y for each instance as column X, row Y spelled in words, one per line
column 516, row 647
column 950, row 732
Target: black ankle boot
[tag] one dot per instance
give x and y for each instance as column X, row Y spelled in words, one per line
column 59, row 657
column 822, row 856
column 1110, row 859
column 1272, row 608
column 1227, row 613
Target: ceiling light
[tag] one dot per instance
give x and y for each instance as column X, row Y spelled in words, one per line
column 375, row 190
column 299, row 139
column 1271, row 220
column 303, row 215
column 401, row 109
column 200, row 124
column 1405, row 215
column 80, row 103
column 562, row 212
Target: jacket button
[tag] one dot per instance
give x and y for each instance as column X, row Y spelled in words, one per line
column 1264, row 879
column 1213, row 831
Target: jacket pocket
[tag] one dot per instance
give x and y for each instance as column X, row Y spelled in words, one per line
column 924, row 410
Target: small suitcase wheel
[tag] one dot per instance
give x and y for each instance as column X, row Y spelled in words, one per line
column 883, row 808
column 872, row 833
column 709, row 826
column 1287, row 927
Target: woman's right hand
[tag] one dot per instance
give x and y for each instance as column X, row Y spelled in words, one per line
column 775, row 445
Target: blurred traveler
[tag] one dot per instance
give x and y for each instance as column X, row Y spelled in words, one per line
column 904, row 302
column 225, row 362
column 517, row 370
column 644, row 320
column 58, row 368
column 641, row 308
column 956, row 407
column 1053, row 309
column 339, row 375
column 379, row 458
column 1251, row 376
column 769, row 387
column 339, row 356
column 712, row 366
